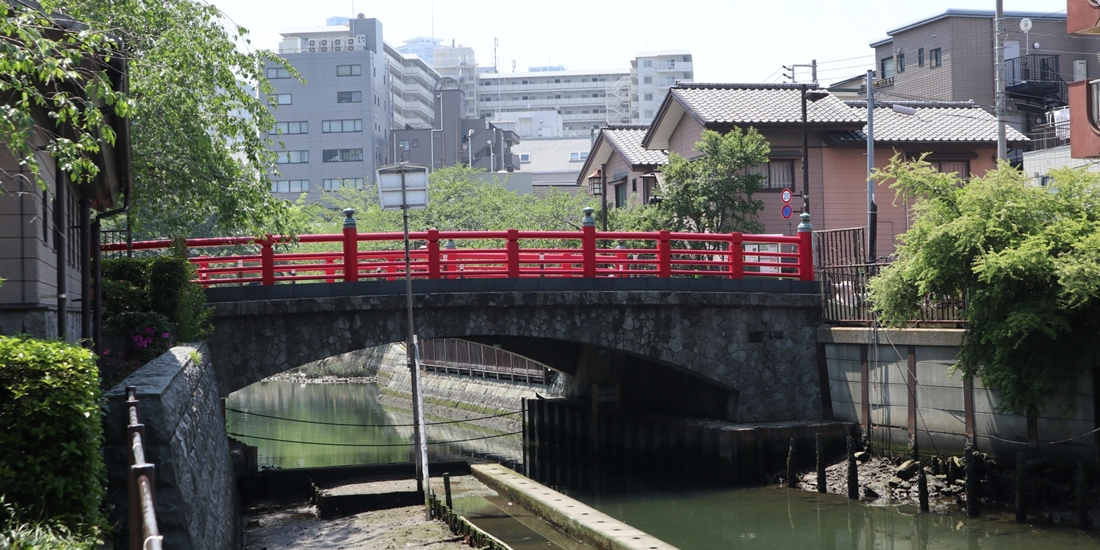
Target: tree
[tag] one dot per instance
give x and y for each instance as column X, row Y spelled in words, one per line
column 1026, row 258
column 713, row 192
column 55, row 86
column 199, row 130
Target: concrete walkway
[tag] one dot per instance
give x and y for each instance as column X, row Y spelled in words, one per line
column 575, row 519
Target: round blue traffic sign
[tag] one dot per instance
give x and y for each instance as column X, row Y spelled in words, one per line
column 787, row 211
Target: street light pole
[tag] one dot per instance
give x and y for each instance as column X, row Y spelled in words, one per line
column 492, row 158
column 805, row 155
column 872, row 210
column 470, row 146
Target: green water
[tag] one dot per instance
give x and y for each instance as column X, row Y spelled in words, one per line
column 759, row 518
column 306, row 445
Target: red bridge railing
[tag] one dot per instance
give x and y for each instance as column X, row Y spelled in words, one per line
column 501, row 254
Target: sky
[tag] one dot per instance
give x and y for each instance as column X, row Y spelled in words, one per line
column 730, row 40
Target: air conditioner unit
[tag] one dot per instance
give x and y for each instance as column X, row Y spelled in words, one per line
column 1080, row 70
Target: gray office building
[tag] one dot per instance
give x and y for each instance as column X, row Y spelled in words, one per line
column 335, row 128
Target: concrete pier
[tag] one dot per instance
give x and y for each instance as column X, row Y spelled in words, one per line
column 572, row 517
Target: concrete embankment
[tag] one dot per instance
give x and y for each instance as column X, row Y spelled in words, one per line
column 570, row 516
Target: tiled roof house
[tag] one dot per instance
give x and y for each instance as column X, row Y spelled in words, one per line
column 625, row 166
column 959, row 136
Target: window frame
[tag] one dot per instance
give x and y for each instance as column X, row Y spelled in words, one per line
column 303, row 186
column 326, row 155
column 351, row 96
column 280, row 73
column 352, row 70
column 303, row 126
column 279, row 99
column 935, row 58
column 301, row 154
column 356, row 124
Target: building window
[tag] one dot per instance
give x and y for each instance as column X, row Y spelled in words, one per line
column 332, row 184
column 778, row 174
column 649, row 113
column 277, row 72
column 341, row 155
column 349, row 97
column 349, row 70
column 649, row 97
column 301, row 127
column 340, row 126
column 416, row 143
column 578, row 156
column 888, row 68
column 935, row 57
column 525, row 157
column 960, row 167
column 620, row 195
column 920, row 57
column 647, row 80
column 289, row 185
column 279, row 99
column 403, row 144
column 647, row 62
column 292, row 157
column 901, row 63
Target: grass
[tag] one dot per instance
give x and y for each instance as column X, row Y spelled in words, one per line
column 44, row 536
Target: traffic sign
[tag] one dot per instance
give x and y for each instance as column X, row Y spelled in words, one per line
column 785, row 195
column 787, row 211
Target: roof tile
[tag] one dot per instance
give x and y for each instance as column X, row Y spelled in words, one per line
column 627, row 140
column 760, row 104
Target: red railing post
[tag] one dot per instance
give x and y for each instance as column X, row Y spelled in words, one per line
column 433, row 254
column 737, row 257
column 664, row 255
column 588, row 244
column 513, row 254
column 805, row 248
column 267, row 261
column 351, row 247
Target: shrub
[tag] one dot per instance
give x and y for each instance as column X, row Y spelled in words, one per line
column 145, row 335
column 50, row 460
column 161, row 285
column 121, row 296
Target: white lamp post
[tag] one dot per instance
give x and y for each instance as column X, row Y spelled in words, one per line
column 401, row 187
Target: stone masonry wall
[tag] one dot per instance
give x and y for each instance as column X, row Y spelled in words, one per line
column 195, row 493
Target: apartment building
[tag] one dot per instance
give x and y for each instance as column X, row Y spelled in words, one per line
column 949, row 57
column 412, row 90
column 651, row 76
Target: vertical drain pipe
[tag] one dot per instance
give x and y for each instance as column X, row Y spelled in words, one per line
column 86, row 271
column 61, row 226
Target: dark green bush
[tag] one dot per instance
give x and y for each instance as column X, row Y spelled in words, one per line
column 50, row 460
column 161, row 285
column 145, row 335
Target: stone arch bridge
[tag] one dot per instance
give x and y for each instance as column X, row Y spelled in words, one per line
column 741, row 350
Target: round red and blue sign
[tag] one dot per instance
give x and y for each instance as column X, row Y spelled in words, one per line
column 787, row 211
column 785, row 195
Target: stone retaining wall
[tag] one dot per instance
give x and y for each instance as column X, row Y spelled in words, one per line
column 195, row 493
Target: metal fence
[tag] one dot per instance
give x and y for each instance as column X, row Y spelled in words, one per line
column 844, row 275
column 450, row 355
column 144, row 534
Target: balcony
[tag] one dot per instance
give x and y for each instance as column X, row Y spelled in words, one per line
column 1035, row 76
column 1049, row 135
column 677, row 67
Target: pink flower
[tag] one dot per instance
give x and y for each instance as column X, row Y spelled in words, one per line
column 149, row 330
column 165, row 335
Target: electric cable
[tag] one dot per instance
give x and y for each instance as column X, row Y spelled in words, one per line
column 277, row 440
column 367, row 425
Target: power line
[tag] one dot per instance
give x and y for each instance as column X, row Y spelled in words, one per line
column 277, row 440
column 367, row 425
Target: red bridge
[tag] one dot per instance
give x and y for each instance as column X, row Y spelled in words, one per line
column 499, row 254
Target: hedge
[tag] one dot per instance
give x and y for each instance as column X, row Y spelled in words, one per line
column 161, row 285
column 50, row 460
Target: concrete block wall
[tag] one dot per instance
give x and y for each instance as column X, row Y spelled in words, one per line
column 940, row 397
column 195, row 494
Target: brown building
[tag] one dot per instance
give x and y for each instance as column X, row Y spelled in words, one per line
column 950, row 57
column 44, row 246
column 959, row 137
column 1083, row 23
column 620, row 168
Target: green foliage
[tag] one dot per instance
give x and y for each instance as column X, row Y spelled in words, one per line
column 50, row 461
column 160, row 284
column 199, row 131
column 712, row 193
column 59, row 77
column 1025, row 257
column 39, row 535
column 145, row 335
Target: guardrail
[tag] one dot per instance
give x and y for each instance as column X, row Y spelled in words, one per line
column 450, row 355
column 144, row 534
column 479, row 254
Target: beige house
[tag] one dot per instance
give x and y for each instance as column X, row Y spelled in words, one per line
column 620, row 167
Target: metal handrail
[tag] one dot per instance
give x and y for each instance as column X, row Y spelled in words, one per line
column 144, row 533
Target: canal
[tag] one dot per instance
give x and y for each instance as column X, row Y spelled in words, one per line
column 347, row 424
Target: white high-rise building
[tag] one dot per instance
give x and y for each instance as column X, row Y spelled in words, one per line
column 651, row 75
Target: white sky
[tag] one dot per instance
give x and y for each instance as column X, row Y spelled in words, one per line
column 730, row 40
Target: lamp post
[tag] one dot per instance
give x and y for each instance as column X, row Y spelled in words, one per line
column 812, row 95
column 470, row 145
column 404, row 186
column 492, row 158
column 595, row 181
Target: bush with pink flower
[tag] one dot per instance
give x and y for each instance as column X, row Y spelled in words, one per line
column 144, row 334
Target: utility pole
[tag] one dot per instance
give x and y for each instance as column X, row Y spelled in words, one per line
column 999, row 72
column 794, row 77
column 872, row 211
